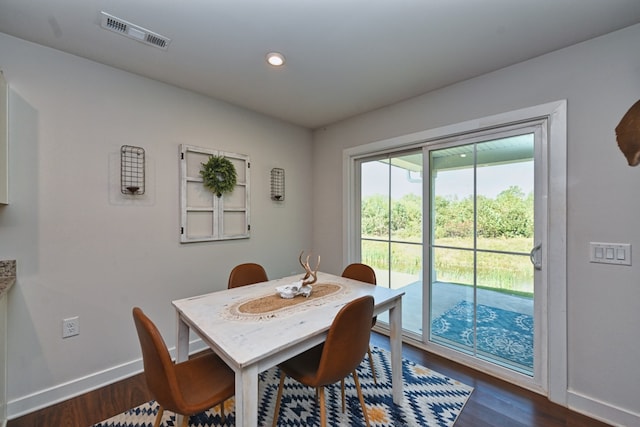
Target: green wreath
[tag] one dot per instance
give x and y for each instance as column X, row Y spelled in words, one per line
column 219, row 175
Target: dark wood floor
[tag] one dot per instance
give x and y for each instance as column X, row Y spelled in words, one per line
column 493, row 403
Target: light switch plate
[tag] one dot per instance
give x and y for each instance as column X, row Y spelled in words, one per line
column 610, row 253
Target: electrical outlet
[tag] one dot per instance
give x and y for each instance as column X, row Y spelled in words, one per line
column 70, row 327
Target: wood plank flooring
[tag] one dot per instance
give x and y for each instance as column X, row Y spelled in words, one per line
column 493, row 403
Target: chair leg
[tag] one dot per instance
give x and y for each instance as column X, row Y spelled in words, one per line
column 222, row 418
column 159, row 417
column 323, row 409
column 276, row 412
column 373, row 369
column 361, row 398
column 342, row 388
column 185, row 420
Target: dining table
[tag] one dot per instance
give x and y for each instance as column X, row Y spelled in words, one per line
column 252, row 328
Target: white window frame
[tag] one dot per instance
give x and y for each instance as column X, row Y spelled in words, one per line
column 556, row 156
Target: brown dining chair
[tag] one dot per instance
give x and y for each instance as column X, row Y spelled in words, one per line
column 185, row 388
column 363, row 273
column 336, row 358
column 246, row 274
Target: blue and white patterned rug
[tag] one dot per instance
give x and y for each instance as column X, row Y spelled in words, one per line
column 430, row 399
column 501, row 333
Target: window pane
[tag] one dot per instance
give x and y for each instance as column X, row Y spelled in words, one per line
column 504, row 187
column 453, row 266
column 406, row 273
column 452, row 180
column 391, row 228
column 376, row 255
column 506, row 273
column 406, row 198
column 374, row 216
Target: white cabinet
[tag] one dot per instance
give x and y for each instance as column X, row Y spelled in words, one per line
column 4, row 141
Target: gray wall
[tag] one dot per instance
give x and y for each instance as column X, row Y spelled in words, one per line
column 600, row 79
column 82, row 250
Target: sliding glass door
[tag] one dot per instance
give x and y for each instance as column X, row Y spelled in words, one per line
column 464, row 239
column 482, row 239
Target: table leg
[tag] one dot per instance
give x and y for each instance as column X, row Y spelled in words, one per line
column 395, row 323
column 247, row 397
column 182, row 341
column 182, row 350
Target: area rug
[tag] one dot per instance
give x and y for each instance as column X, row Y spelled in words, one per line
column 503, row 334
column 430, row 399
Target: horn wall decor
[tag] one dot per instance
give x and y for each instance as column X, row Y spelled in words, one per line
column 628, row 134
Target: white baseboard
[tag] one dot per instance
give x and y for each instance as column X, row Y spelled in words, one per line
column 61, row 392
column 602, row 411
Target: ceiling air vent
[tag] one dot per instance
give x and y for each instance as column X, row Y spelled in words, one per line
column 135, row 32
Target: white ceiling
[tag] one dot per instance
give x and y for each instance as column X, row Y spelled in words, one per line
column 344, row 57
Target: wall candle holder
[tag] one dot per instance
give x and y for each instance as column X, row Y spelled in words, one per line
column 277, row 184
column 131, row 170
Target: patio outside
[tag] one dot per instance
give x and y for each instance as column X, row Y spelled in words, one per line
column 512, row 347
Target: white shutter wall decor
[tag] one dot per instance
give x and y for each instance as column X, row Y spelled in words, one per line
column 204, row 216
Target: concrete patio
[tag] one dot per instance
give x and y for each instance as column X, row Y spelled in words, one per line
column 447, row 295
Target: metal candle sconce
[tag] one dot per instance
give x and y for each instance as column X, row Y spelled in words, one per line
column 131, row 170
column 277, row 184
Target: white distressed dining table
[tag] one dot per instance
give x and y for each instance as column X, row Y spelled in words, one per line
column 253, row 343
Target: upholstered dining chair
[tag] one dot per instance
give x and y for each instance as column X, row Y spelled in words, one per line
column 363, row 273
column 186, row 388
column 246, row 274
column 336, row 358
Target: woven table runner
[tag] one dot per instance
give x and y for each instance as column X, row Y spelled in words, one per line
column 267, row 306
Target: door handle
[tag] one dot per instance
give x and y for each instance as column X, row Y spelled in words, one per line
column 532, row 256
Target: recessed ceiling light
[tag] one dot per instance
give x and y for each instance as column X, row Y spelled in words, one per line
column 275, row 59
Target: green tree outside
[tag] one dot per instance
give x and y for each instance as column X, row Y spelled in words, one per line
column 504, row 223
